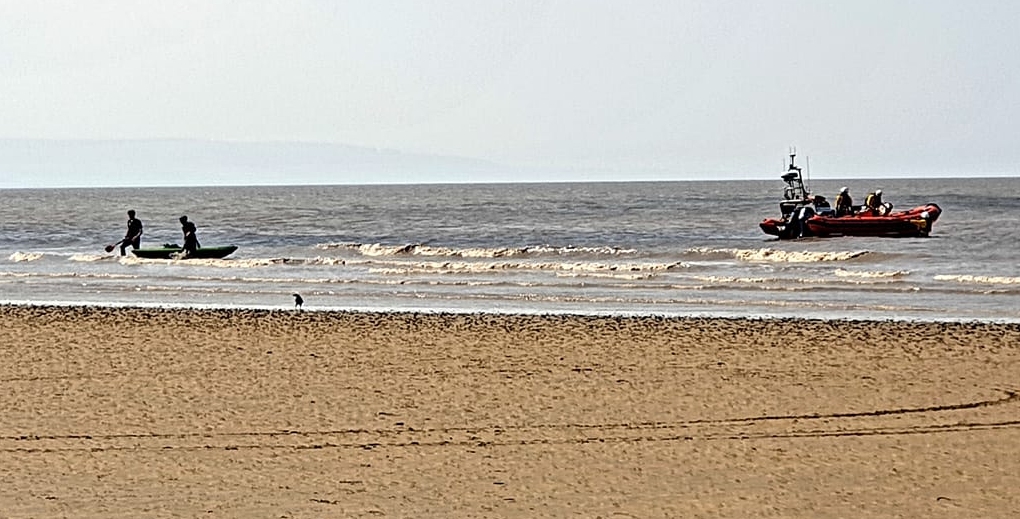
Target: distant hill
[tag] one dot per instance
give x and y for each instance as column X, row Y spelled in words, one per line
column 103, row 163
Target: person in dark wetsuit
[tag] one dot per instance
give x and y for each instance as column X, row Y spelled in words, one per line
column 190, row 238
column 133, row 237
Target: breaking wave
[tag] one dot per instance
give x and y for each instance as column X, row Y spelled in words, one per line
column 719, row 280
column 469, row 267
column 418, row 249
column 25, row 256
column 877, row 274
column 57, row 275
column 776, row 256
column 984, row 280
column 199, row 262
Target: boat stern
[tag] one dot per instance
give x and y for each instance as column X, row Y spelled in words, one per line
column 772, row 226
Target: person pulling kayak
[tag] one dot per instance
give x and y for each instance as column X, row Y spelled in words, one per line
column 190, row 237
column 133, row 237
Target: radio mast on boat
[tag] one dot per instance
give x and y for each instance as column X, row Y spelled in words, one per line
column 807, row 168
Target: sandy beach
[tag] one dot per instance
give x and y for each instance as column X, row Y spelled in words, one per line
column 239, row 413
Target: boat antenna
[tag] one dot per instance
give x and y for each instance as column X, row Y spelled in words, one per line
column 807, row 167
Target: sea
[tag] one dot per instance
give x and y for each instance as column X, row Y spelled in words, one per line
column 688, row 248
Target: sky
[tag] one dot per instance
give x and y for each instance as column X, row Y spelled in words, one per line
column 569, row 89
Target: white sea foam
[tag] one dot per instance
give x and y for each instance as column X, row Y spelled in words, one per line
column 609, row 251
column 416, row 249
column 221, row 263
column 985, row 280
column 607, row 275
column 877, row 274
column 319, row 260
column 25, row 256
column 57, row 275
column 200, row 262
column 376, row 249
column 729, row 279
column 479, row 252
column 778, row 256
column 470, row 267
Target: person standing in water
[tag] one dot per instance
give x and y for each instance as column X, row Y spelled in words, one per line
column 190, row 237
column 133, row 237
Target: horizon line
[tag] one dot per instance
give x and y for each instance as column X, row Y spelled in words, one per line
column 492, row 182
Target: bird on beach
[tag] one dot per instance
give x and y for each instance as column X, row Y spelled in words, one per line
column 298, row 301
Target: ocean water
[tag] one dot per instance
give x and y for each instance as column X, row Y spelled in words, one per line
column 652, row 248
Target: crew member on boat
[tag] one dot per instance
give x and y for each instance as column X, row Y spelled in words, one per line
column 844, row 203
column 822, row 206
column 873, row 203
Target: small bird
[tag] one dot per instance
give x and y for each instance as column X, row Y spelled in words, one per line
column 298, row 301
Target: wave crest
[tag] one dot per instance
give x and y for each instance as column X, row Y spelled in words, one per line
column 876, row 274
column 582, row 268
column 984, row 280
column 419, row 249
column 777, row 256
column 25, row 256
column 226, row 263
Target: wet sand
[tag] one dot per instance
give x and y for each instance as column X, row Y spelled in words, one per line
column 143, row 412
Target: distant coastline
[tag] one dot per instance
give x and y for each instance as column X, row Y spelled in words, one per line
column 192, row 162
column 116, row 163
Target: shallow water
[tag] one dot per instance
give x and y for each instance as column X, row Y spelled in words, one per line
column 671, row 248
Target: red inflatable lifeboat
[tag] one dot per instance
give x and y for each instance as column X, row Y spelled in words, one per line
column 810, row 215
column 910, row 223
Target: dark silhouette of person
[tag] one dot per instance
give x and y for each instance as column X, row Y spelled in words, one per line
column 298, row 301
column 844, row 204
column 133, row 237
column 190, row 237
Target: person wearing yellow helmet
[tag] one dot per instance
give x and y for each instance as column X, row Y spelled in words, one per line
column 873, row 203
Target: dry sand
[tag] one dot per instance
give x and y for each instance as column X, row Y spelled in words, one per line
column 151, row 413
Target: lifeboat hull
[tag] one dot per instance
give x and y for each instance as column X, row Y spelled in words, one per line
column 779, row 227
column 910, row 223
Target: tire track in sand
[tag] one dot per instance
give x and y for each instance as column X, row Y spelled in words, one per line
column 934, row 419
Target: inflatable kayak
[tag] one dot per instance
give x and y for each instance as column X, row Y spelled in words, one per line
column 173, row 251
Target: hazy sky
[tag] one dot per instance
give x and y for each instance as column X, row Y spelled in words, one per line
column 644, row 89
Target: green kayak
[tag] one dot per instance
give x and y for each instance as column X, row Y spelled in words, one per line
column 173, row 251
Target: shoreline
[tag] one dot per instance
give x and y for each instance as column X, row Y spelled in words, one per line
column 257, row 413
column 724, row 316
column 321, row 316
